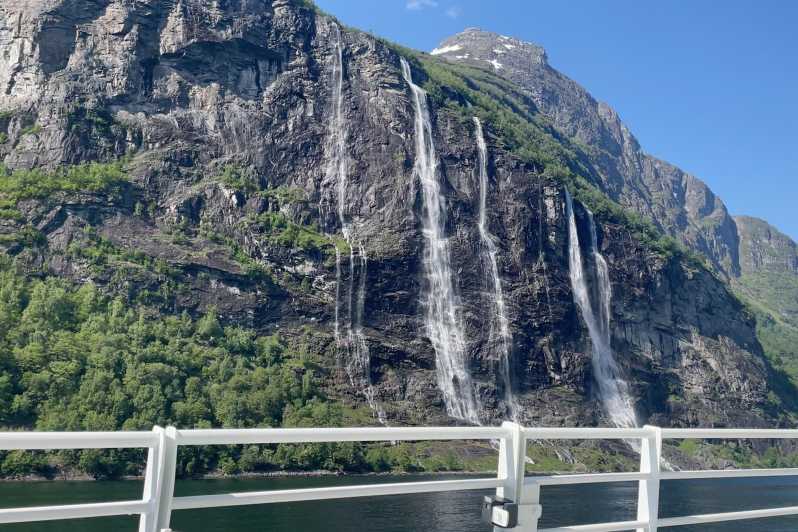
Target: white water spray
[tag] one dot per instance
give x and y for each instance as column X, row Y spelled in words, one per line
column 353, row 343
column 500, row 338
column 612, row 388
column 442, row 319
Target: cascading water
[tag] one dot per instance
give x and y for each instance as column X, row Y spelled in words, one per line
column 612, row 388
column 442, row 319
column 500, row 339
column 358, row 358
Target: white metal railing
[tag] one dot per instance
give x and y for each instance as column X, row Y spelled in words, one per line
column 158, row 500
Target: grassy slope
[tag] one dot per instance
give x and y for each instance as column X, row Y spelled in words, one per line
column 774, row 299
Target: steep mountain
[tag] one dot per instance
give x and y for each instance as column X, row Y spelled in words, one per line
column 680, row 204
column 256, row 170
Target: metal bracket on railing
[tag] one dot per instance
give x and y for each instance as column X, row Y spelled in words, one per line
column 512, row 463
column 502, row 513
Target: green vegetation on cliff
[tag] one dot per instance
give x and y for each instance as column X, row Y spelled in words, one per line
column 72, row 358
column 772, row 298
column 281, row 231
column 778, row 289
column 91, row 177
column 21, row 184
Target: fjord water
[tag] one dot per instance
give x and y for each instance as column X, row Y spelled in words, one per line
column 443, row 321
column 612, row 388
column 352, row 344
column 437, row 512
column 499, row 324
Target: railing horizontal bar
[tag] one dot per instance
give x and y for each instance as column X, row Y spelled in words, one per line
column 728, row 516
column 73, row 511
column 574, row 433
column 336, row 492
column 76, row 440
column 100, row 440
column 734, row 434
column 256, row 436
column 601, row 527
column 587, row 478
column 728, row 473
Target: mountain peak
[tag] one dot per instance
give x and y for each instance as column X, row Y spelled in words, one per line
column 500, row 51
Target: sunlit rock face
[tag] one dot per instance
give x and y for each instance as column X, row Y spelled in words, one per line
column 223, row 111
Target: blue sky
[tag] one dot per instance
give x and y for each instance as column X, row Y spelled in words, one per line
column 711, row 86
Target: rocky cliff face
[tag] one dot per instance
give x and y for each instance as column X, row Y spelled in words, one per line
column 220, row 115
column 753, row 256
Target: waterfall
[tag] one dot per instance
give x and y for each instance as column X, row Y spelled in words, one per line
column 337, row 295
column 443, row 323
column 612, row 388
column 353, row 343
column 499, row 324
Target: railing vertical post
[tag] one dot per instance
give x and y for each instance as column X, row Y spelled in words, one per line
column 512, row 462
column 648, row 490
column 152, row 482
column 166, row 493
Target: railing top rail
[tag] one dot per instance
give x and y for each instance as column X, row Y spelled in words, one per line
column 100, row 440
column 316, row 435
column 76, row 440
column 732, row 434
column 576, row 433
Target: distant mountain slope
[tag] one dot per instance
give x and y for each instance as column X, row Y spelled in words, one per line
column 679, row 203
column 769, row 280
column 765, row 249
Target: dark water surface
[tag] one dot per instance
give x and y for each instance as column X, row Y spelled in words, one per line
column 437, row 512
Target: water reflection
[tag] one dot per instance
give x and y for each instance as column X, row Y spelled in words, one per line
column 438, row 512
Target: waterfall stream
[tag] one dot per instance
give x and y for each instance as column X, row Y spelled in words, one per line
column 500, row 338
column 353, row 341
column 443, row 322
column 612, row 388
